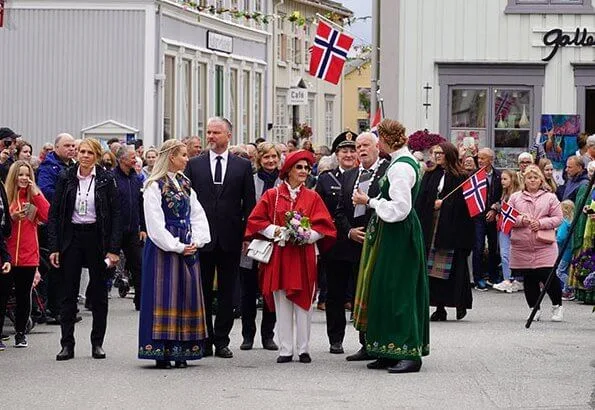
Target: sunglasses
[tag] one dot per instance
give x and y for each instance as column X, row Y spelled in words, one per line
column 301, row 167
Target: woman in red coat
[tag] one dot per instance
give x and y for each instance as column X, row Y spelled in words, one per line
column 28, row 207
column 290, row 276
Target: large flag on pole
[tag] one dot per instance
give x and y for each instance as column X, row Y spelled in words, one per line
column 329, row 53
column 377, row 118
column 507, row 218
column 475, row 190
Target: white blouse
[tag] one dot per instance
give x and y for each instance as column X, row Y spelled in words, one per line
column 402, row 179
column 155, row 220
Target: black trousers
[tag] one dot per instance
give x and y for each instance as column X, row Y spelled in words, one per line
column 532, row 278
column 132, row 248
column 249, row 284
column 484, row 228
column 21, row 277
column 52, row 280
column 84, row 251
column 227, row 265
column 338, row 274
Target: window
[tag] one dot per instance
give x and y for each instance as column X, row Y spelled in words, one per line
column 363, row 99
column 297, row 50
column 307, row 49
column 289, row 43
column 233, row 97
column 185, row 99
column 329, row 114
column 258, row 6
column 257, row 105
column 246, row 108
column 311, row 110
column 363, row 125
column 219, row 91
column 549, row 7
column 281, row 48
column 169, row 97
column 201, row 94
column 281, row 124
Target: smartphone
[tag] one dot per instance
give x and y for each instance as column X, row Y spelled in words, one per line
column 26, row 207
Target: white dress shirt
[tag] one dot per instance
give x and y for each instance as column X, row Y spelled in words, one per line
column 213, row 158
column 85, row 192
column 402, row 179
column 155, row 220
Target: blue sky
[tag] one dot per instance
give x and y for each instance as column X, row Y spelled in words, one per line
column 360, row 8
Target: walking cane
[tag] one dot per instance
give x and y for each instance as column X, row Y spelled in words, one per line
column 552, row 274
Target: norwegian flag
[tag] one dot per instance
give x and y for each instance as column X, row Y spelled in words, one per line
column 329, row 53
column 507, row 218
column 475, row 190
column 377, row 118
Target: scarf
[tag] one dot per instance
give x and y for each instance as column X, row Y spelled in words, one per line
column 268, row 178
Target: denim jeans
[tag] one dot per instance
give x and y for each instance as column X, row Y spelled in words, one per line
column 562, row 273
column 504, row 242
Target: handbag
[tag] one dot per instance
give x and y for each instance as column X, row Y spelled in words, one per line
column 546, row 236
column 261, row 249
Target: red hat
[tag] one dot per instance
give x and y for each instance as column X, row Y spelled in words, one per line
column 292, row 159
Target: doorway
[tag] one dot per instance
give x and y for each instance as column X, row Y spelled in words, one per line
column 590, row 111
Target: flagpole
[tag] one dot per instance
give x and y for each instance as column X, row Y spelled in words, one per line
column 460, row 185
column 340, row 27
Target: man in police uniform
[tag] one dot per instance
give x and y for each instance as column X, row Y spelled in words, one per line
column 351, row 223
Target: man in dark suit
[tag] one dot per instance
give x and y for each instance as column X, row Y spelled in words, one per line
column 225, row 189
column 351, row 222
column 485, row 224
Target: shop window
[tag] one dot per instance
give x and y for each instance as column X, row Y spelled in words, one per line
column 329, row 116
column 201, row 93
column 169, row 97
column 281, row 122
column 310, row 111
column 549, row 7
column 219, row 91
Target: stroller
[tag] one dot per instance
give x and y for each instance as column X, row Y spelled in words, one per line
column 121, row 277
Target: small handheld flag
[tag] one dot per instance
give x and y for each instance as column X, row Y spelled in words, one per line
column 507, row 218
column 329, row 53
column 475, row 191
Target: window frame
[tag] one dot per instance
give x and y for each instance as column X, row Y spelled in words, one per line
column 548, row 7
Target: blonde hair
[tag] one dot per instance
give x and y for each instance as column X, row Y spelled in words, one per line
column 393, row 132
column 544, row 162
column 12, row 186
column 534, row 169
column 262, row 149
column 167, row 149
column 567, row 207
column 515, row 184
column 95, row 146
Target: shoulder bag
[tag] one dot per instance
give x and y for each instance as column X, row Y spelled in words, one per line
column 261, row 249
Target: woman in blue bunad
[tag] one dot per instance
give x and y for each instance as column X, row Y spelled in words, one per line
column 172, row 314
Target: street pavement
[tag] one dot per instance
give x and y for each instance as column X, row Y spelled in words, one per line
column 487, row 360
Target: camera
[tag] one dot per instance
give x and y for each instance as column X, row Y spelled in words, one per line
column 7, row 142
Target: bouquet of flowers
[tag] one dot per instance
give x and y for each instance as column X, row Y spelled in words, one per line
column 297, row 228
column 584, row 264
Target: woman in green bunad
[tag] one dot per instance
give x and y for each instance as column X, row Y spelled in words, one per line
column 582, row 240
column 392, row 302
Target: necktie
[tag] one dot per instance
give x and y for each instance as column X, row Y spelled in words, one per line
column 218, row 170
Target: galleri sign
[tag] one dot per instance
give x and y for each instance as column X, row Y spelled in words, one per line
column 557, row 39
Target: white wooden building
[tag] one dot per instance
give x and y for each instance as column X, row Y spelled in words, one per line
column 471, row 55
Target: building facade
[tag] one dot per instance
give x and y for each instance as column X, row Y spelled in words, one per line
column 320, row 105
column 156, row 68
column 488, row 69
column 356, row 94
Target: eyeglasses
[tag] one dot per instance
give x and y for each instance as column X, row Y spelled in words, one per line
column 301, row 167
column 526, row 162
column 438, row 153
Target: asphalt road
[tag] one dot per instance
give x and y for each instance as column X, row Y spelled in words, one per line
column 487, row 360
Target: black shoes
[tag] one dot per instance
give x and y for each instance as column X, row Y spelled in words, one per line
column 181, row 364
column 439, row 315
column 405, row 366
column 97, row 352
column 461, row 313
column 269, row 344
column 162, row 364
column 380, row 364
column 336, row 348
column 284, row 359
column 207, row 351
column 66, row 353
column 305, row 358
column 224, row 352
column 360, row 356
column 247, row 344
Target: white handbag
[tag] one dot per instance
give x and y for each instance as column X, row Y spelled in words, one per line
column 261, row 249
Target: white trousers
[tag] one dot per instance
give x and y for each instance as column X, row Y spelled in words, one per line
column 286, row 310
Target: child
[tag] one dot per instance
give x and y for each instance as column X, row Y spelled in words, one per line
column 510, row 185
column 561, row 234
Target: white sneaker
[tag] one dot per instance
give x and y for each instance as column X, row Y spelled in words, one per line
column 557, row 313
column 517, row 286
column 537, row 315
column 504, row 286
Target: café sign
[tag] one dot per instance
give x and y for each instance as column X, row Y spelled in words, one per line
column 297, row 96
column 557, row 39
column 219, row 42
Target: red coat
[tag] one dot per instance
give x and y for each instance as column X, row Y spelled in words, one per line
column 291, row 268
column 23, row 244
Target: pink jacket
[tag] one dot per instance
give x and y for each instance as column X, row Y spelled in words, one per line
column 526, row 252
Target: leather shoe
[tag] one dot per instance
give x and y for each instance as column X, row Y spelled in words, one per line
column 305, row 358
column 66, row 353
column 284, row 359
column 181, row 364
column 405, row 366
column 269, row 344
column 380, row 364
column 439, row 315
column 97, row 352
column 336, row 348
column 207, row 351
column 247, row 344
column 359, row 356
column 461, row 313
column 53, row 320
column 163, row 364
column 224, row 352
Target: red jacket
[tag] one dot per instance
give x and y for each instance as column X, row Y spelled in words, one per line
column 23, row 244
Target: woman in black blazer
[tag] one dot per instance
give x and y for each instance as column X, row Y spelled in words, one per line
column 84, row 230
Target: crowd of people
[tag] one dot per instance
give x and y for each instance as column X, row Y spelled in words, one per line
column 364, row 225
